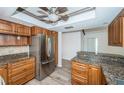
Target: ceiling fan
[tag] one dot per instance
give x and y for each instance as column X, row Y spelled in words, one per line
column 53, row 14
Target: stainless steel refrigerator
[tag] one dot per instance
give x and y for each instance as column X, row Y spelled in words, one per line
column 43, row 49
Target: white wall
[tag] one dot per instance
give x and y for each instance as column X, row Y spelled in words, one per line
column 71, row 43
column 102, row 35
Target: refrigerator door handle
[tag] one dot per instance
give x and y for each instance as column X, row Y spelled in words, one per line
column 46, row 62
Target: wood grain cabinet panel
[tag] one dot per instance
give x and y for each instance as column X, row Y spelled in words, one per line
column 116, row 30
column 21, row 72
column 6, row 27
column 85, row 74
column 10, row 40
column 95, row 75
column 11, row 28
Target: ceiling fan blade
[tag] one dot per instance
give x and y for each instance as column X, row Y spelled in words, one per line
column 43, row 16
column 18, row 10
column 42, row 12
column 60, row 10
column 65, row 17
column 47, row 21
column 45, row 9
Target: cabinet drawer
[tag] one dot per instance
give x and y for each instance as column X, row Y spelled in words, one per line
column 18, row 76
column 79, row 65
column 76, row 80
column 17, row 64
column 13, row 72
column 21, row 72
column 80, row 69
column 82, row 73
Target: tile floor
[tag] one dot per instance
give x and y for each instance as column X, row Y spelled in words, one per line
column 61, row 76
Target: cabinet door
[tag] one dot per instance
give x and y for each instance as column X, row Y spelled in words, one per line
column 35, row 30
column 27, row 31
column 115, row 32
column 94, row 75
column 6, row 27
column 19, row 29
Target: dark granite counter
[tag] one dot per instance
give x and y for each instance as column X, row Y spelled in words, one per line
column 12, row 58
column 112, row 65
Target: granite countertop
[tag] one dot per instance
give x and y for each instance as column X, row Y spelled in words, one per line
column 13, row 58
column 112, row 70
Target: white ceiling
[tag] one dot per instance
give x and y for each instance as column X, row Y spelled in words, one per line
column 102, row 16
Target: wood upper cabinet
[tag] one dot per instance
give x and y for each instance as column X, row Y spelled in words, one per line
column 3, row 72
column 14, row 34
column 22, row 30
column 37, row 30
column 7, row 27
column 12, row 40
column 85, row 74
column 116, row 31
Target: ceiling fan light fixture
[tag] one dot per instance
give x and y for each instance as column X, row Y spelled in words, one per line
column 53, row 17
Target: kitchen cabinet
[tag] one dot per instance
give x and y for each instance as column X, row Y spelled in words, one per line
column 79, row 74
column 116, row 31
column 6, row 27
column 12, row 40
column 37, row 30
column 3, row 72
column 22, row 30
column 85, row 74
column 21, row 72
column 11, row 28
column 95, row 75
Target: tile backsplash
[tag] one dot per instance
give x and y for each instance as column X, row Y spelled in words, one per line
column 13, row 50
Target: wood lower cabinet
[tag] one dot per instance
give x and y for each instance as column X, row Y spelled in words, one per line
column 21, row 72
column 3, row 72
column 85, row 74
column 95, row 75
column 79, row 73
